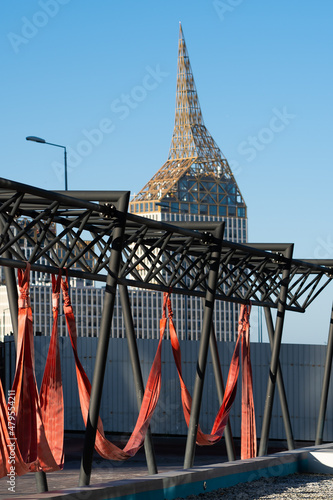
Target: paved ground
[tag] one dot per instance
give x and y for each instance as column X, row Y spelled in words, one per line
column 169, row 456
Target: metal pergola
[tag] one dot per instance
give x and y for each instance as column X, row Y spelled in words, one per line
column 190, row 259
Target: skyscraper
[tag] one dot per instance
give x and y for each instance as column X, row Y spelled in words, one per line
column 196, row 182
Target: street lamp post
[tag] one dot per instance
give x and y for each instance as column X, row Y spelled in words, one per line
column 42, row 141
column 41, row 480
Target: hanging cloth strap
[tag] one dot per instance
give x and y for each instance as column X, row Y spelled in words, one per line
column 29, row 428
column 10, row 456
column 229, row 395
column 150, row 398
column 24, row 381
column 231, row 386
column 248, row 427
column 51, row 391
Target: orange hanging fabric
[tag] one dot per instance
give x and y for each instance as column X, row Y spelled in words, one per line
column 102, row 445
column 51, row 392
column 24, row 385
column 248, row 430
column 231, row 387
column 229, row 396
column 11, row 461
column 29, row 428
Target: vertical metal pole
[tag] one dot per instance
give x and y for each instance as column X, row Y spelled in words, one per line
column 203, row 348
column 138, row 381
column 326, row 384
column 41, row 481
column 103, row 344
column 229, row 442
column 275, row 355
column 65, row 165
column 280, row 385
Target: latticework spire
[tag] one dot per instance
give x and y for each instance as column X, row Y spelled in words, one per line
column 196, row 179
column 190, row 136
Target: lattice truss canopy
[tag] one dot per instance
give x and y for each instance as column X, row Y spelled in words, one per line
column 196, row 178
column 78, row 230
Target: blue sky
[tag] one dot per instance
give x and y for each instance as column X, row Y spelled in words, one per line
column 99, row 77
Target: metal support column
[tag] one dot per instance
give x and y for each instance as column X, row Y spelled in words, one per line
column 137, row 374
column 275, row 355
column 203, row 348
column 41, row 481
column 326, row 384
column 280, row 385
column 229, row 442
column 103, row 344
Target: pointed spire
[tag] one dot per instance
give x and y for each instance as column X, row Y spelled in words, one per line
column 196, row 179
column 190, row 136
column 188, row 111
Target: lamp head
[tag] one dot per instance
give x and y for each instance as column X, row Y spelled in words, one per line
column 35, row 139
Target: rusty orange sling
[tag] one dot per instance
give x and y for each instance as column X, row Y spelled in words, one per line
column 39, row 418
column 51, row 393
column 248, row 430
column 153, row 387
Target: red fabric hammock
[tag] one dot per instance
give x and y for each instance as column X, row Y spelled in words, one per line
column 11, row 461
column 150, row 398
column 38, row 424
column 248, row 431
column 51, row 392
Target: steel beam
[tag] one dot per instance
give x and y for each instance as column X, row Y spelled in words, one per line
column 103, row 344
column 203, row 348
column 275, row 354
column 280, row 385
column 229, row 442
column 138, row 381
column 326, row 385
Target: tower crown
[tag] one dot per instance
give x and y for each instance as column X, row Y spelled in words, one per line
column 196, row 179
column 190, row 136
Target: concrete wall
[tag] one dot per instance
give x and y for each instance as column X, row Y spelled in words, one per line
column 302, row 367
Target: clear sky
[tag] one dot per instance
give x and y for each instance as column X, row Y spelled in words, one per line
column 100, row 77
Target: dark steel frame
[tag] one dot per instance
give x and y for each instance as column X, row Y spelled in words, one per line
column 190, row 259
